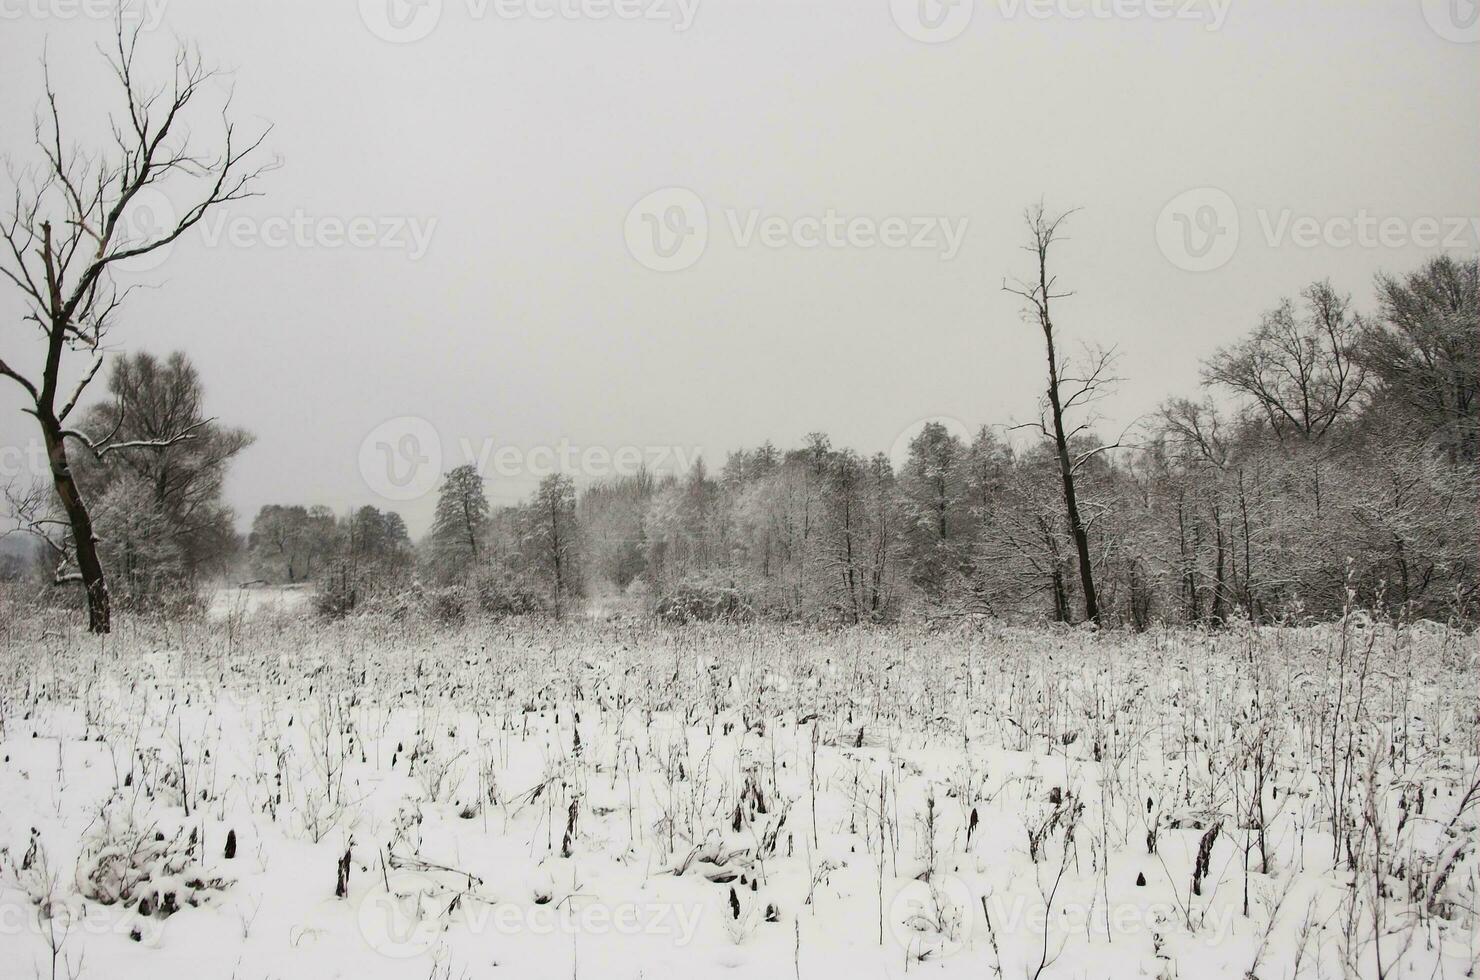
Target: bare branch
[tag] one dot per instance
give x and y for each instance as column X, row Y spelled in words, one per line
column 103, row 448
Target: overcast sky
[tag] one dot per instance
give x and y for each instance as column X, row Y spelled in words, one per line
column 500, row 285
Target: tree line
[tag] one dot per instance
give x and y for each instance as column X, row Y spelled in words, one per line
column 1329, row 457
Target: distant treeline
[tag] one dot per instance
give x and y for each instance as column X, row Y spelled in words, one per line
column 1330, row 460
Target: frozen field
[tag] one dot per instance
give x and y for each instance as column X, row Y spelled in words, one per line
column 277, row 798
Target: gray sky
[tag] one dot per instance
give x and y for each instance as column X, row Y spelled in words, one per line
column 1340, row 134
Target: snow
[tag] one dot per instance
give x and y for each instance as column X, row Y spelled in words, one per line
column 254, row 600
column 747, row 801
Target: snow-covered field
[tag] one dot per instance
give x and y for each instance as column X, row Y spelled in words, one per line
column 275, row 797
column 255, row 600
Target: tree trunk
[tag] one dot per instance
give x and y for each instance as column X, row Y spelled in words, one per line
column 849, row 578
column 1243, row 504
column 1061, row 441
column 1189, row 568
column 1060, row 602
column 1220, row 588
column 99, row 614
column 1056, row 574
column 555, row 540
column 1066, row 472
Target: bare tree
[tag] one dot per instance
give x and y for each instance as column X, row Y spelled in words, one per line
column 69, row 228
column 1020, row 549
column 1069, row 387
column 1300, row 371
column 1197, row 446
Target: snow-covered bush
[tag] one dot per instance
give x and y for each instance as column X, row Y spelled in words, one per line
column 140, row 866
column 447, row 606
column 503, row 593
column 700, row 602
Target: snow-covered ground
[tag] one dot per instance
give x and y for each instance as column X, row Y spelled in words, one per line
column 616, row 801
column 248, row 601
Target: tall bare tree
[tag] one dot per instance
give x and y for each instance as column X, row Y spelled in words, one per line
column 70, row 225
column 1069, row 387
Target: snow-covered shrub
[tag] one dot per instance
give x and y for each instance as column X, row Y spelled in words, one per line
column 397, row 604
column 337, row 594
column 31, row 874
column 741, row 913
column 502, row 593
column 447, row 606
column 698, row 602
column 141, row 867
column 438, row 771
column 27, row 600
